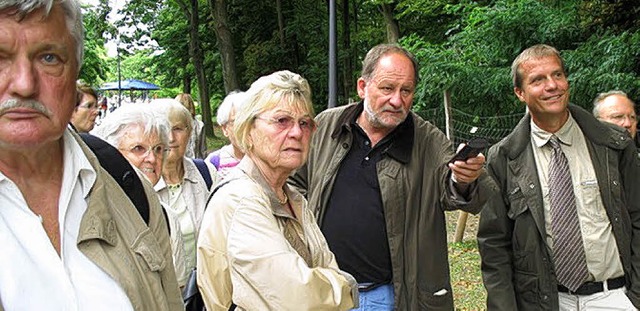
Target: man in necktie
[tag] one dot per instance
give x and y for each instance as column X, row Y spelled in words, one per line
column 565, row 233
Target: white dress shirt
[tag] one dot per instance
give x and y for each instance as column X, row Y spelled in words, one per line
column 32, row 275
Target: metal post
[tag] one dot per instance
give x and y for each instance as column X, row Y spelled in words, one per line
column 119, row 76
column 333, row 56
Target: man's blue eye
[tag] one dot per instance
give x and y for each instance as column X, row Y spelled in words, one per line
column 50, row 58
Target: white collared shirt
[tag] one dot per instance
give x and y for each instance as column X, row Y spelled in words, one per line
column 32, row 275
column 603, row 260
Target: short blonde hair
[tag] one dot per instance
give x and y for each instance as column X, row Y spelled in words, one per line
column 534, row 52
column 281, row 88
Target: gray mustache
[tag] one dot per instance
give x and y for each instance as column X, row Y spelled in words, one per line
column 12, row 103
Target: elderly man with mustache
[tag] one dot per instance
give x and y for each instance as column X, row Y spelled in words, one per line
column 71, row 238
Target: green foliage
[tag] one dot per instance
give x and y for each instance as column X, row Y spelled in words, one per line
column 464, row 47
column 604, row 63
column 474, row 64
column 94, row 69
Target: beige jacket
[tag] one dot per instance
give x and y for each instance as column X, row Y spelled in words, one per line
column 115, row 237
column 244, row 258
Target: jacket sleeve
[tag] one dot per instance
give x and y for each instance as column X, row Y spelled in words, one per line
column 630, row 173
column 495, row 232
column 158, row 225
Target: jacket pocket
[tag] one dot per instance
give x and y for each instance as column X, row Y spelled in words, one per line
column 148, row 248
column 436, row 301
column 526, row 288
column 517, row 204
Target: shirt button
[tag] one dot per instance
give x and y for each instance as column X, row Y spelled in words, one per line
column 366, row 143
column 366, row 158
column 345, row 146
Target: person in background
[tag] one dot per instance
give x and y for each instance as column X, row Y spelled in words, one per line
column 103, row 107
column 71, row 237
column 197, row 146
column 565, row 233
column 229, row 155
column 183, row 188
column 143, row 139
column 84, row 116
column 379, row 180
column 617, row 108
column 259, row 246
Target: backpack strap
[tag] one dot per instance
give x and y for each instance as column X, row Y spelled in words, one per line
column 121, row 170
column 204, row 171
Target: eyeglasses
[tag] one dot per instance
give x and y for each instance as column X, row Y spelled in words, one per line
column 89, row 105
column 285, row 123
column 143, row 151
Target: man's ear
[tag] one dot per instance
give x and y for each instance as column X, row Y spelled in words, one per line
column 362, row 84
column 519, row 93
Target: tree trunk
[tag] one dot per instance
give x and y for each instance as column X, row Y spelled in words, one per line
column 225, row 45
column 195, row 48
column 190, row 10
column 186, row 78
column 347, row 77
column 393, row 27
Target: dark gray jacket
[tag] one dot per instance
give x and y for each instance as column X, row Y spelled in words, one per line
column 414, row 183
column 517, row 266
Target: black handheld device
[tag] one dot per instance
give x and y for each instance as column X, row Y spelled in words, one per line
column 471, row 149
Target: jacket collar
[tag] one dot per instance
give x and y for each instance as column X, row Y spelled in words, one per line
column 402, row 136
column 597, row 132
column 248, row 166
column 97, row 221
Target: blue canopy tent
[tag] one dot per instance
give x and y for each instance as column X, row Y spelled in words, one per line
column 130, row 85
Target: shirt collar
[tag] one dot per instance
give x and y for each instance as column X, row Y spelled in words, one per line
column 80, row 163
column 541, row 137
column 401, row 137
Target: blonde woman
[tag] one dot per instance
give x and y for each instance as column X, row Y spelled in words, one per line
column 259, row 246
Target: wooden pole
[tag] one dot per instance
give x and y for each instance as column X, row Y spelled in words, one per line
column 462, row 217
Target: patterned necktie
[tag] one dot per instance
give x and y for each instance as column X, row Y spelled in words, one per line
column 568, row 248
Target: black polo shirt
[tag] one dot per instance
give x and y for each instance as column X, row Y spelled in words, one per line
column 354, row 222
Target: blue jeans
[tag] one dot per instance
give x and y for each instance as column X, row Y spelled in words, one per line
column 377, row 299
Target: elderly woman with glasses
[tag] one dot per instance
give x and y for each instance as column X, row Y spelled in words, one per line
column 184, row 187
column 139, row 135
column 142, row 138
column 260, row 247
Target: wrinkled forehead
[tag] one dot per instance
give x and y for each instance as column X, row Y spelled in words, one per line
column 134, row 133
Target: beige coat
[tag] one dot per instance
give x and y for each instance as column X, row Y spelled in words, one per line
column 244, row 257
